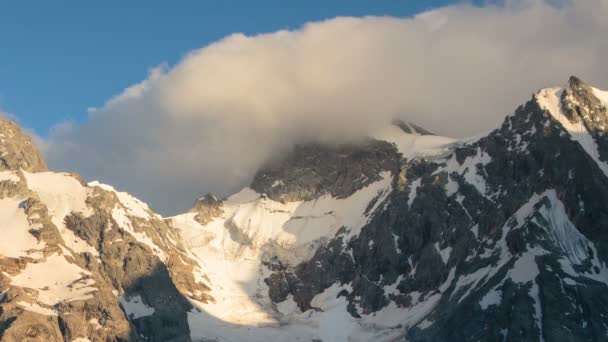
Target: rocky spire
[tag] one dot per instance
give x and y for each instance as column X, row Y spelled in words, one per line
column 17, row 150
column 411, row 128
column 581, row 106
column 579, row 103
column 206, row 208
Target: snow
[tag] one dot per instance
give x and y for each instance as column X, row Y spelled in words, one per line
column 67, row 282
column 62, row 194
column 493, row 297
column 525, row 268
column 296, row 227
column 468, row 169
column 602, row 95
column 413, row 191
column 575, row 246
column 134, row 307
column 133, row 206
column 276, row 183
column 37, row 309
column 475, row 230
column 253, row 229
column 564, row 233
column 444, row 253
column 16, row 239
column 413, row 145
column 81, row 339
column 451, row 187
column 9, row 176
column 288, row 306
column 549, row 99
column 329, row 321
column 128, row 208
column 95, row 323
column 335, row 323
column 120, row 215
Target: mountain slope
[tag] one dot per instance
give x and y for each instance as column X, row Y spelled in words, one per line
column 82, row 261
column 474, row 240
column 405, row 236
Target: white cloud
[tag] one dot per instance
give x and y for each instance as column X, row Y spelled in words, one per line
column 208, row 122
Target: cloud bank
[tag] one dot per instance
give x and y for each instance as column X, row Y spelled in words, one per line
column 206, row 124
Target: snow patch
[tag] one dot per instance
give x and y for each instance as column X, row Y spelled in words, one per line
column 444, row 253
column 414, row 145
column 601, row 95
column 62, row 194
column 493, row 297
column 9, row 176
column 468, row 170
column 288, row 306
column 132, row 205
column 37, row 309
column 413, row 191
column 16, row 239
column 67, row 282
column 135, row 307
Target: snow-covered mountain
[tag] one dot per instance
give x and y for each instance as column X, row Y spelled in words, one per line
column 405, row 236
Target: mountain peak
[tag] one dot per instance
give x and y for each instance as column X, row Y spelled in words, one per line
column 206, row 208
column 582, row 112
column 575, row 82
column 17, row 149
column 410, row 128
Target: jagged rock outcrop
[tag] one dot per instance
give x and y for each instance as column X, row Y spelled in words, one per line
column 206, row 208
column 17, row 150
column 313, row 170
column 84, row 261
column 581, row 106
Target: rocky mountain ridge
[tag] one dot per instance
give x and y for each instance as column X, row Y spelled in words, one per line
column 407, row 236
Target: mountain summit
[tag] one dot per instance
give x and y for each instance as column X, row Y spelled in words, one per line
column 406, row 236
column 17, row 150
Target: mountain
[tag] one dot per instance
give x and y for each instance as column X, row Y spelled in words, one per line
column 405, row 236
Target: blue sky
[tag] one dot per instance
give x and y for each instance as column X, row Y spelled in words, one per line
column 207, row 122
column 60, row 57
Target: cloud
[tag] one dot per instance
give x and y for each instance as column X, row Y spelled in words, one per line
column 206, row 124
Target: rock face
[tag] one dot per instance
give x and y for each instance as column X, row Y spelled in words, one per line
column 84, row 261
column 406, row 236
column 311, row 171
column 17, row 151
column 502, row 239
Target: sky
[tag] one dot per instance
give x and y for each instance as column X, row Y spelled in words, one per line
column 59, row 58
column 172, row 103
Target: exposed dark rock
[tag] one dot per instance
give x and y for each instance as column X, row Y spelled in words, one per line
column 527, row 156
